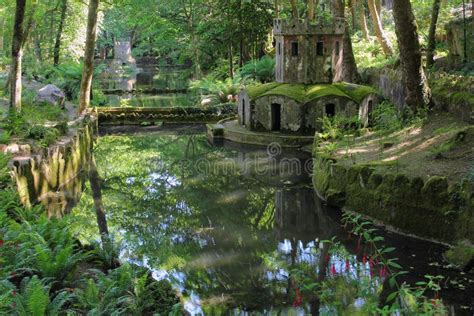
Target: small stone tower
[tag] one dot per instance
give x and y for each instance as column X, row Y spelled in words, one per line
column 307, row 52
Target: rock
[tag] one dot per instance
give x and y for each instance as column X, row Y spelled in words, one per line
column 52, row 95
column 462, row 255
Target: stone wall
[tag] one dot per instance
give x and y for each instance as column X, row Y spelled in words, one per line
column 55, row 176
column 457, row 100
column 388, row 82
column 456, row 40
column 429, row 209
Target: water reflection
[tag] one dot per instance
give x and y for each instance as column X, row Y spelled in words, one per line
column 233, row 240
column 148, row 78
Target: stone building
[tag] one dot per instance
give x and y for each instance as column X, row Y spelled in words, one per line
column 123, row 53
column 308, row 56
column 307, row 52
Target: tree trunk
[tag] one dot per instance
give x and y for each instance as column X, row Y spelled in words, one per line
column 2, row 31
column 353, row 7
column 94, row 180
column 349, row 66
column 378, row 6
column 37, row 44
column 277, row 8
column 57, row 43
column 88, row 71
column 311, row 9
column 414, row 79
column 432, row 33
column 349, row 71
column 17, row 54
column 294, row 9
column 231, row 61
column 362, row 18
column 381, row 37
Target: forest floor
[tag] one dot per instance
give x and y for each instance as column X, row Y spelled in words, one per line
column 33, row 86
column 441, row 146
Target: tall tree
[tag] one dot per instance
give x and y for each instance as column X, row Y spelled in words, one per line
column 379, row 32
column 349, row 72
column 360, row 12
column 17, row 55
column 432, row 33
column 294, row 9
column 59, row 33
column 88, row 71
column 414, row 79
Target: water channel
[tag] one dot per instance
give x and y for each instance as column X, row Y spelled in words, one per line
column 239, row 230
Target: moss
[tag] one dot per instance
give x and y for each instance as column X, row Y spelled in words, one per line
column 296, row 92
column 461, row 255
column 324, row 90
column 352, row 175
column 354, row 91
column 436, row 187
column 375, row 180
column 302, row 93
column 338, row 177
column 258, row 90
column 321, row 175
column 416, row 185
column 335, row 197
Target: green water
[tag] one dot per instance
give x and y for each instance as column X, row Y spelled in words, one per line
column 148, row 100
column 234, row 229
column 150, row 77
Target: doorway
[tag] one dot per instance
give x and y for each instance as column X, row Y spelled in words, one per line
column 330, row 110
column 276, row 117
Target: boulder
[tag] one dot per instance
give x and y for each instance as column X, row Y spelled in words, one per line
column 52, row 95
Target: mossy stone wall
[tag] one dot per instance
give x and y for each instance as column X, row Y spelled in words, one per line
column 429, row 209
column 55, row 176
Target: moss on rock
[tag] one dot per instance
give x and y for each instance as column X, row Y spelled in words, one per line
column 302, row 93
column 462, row 255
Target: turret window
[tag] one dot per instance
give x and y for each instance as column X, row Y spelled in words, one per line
column 319, row 49
column 337, row 48
column 294, row 49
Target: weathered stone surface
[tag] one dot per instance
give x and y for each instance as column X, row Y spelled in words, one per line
column 456, row 40
column 54, row 176
column 411, row 205
column 52, row 95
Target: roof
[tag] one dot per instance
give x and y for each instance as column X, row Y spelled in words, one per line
column 304, row 93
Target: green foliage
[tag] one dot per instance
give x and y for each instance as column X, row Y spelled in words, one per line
column 262, row 70
column 44, row 135
column 385, row 117
column 34, row 298
column 333, row 128
column 125, row 290
column 4, row 170
column 221, row 89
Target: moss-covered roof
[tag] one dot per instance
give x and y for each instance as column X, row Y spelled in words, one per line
column 302, row 93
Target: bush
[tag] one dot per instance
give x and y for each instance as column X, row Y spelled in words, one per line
column 335, row 127
column 385, row 117
column 262, row 70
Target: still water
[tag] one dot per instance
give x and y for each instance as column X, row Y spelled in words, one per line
column 239, row 230
column 149, row 77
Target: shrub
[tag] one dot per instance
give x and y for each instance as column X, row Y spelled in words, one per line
column 262, row 70
column 385, row 117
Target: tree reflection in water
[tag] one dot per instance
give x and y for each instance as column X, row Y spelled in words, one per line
column 228, row 238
